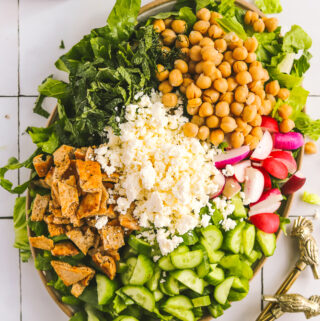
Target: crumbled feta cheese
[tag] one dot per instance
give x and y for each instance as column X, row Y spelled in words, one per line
column 101, row 222
column 228, row 171
column 205, row 219
column 156, row 258
column 228, row 224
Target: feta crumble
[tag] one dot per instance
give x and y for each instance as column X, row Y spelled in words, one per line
column 228, row 171
column 101, row 222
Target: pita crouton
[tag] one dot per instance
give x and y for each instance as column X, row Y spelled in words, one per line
column 71, row 274
column 55, row 194
column 64, row 249
column 69, row 199
column 112, row 237
column 41, row 242
column 39, row 207
column 62, row 159
column 115, row 254
column 42, row 164
column 48, row 219
column 80, row 153
column 90, row 204
column 106, row 263
column 89, row 154
column 55, row 230
column 75, row 221
column 113, row 178
column 90, row 177
column 110, row 211
column 78, row 288
column 128, row 221
column 49, row 177
column 103, row 204
column 84, row 241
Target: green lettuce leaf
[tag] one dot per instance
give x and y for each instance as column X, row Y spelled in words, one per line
column 71, row 300
column 79, row 316
column 188, row 16
column 227, row 8
column 54, row 88
column 164, row 15
column 42, row 261
column 204, row 3
column 269, row 6
column 297, row 100
column 59, row 286
column 283, row 224
column 311, row 198
column 232, row 24
column 301, row 65
column 307, row 126
column 285, row 80
column 296, row 39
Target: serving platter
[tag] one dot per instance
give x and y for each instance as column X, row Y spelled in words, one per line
column 146, row 11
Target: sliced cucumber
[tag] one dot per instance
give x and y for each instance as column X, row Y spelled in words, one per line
column 213, row 236
column 236, row 296
column 230, row 261
column 239, row 209
column 254, row 256
column 240, row 285
column 93, row 314
column 153, row 283
column 215, row 277
column 172, row 286
column 190, row 279
column 158, row 295
column 105, row 288
column 165, row 264
column 121, row 267
column 187, row 260
column 126, row 276
column 201, row 301
column 204, row 268
column 215, row 310
column 164, row 290
column 143, row 271
column 178, row 302
column 127, row 252
column 140, row 295
column 181, row 314
column 267, row 242
column 213, row 255
column 190, row 238
column 139, row 245
column 233, row 238
column 248, row 238
column 221, row 292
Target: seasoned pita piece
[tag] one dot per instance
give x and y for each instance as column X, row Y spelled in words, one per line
column 39, row 207
column 55, row 230
column 49, row 177
column 69, row 199
column 71, row 180
column 113, row 178
column 106, row 264
column 89, row 205
column 42, row 164
column 55, row 194
column 62, row 159
column 115, row 254
column 80, row 153
column 112, row 237
column 41, row 242
column 48, row 219
column 41, row 183
column 78, row 288
column 75, row 221
column 128, row 221
column 71, row 274
column 64, row 249
column 89, row 154
column 110, row 211
column 90, row 177
column 84, row 241
column 103, row 204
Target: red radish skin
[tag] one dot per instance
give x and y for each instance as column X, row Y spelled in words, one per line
column 288, row 141
column 270, row 124
column 239, row 170
column 220, row 180
column 231, row 187
column 286, row 158
column 272, row 192
column 269, row 202
column 253, row 186
column 266, row 176
column 295, row 182
column 275, row 168
column 231, row 156
column 264, row 148
column 266, row 222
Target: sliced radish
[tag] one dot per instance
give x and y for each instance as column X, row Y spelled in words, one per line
column 270, row 124
column 286, row 158
column 266, row 222
column 288, row 141
column 269, row 202
column 220, row 181
column 266, row 176
column 239, row 170
column 295, row 182
column 231, row 156
column 253, row 186
column 275, row 168
column 231, row 187
column 264, row 147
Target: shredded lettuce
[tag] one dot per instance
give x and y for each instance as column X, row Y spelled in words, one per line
column 269, row 6
column 227, row 8
column 311, row 198
column 296, row 39
column 307, row 126
column 297, row 100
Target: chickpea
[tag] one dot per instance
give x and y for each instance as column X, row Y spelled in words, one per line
column 228, row 57
column 216, row 137
column 222, row 109
column 209, row 53
column 204, row 82
column 220, row 85
column 195, row 102
column 257, row 73
column 162, row 73
column 225, row 69
column 266, row 107
column 254, row 17
column 250, row 99
column 204, row 14
column 170, row 100
column 227, row 97
column 203, row 133
column 240, row 53
column 196, row 119
column 165, row 87
column 192, row 66
column 236, row 139
column 182, row 41
column 202, row 26
column 251, row 57
column 193, row 91
column 181, row 65
column 236, row 108
column 284, row 93
column 259, row 26
column 216, row 75
column 248, row 17
column 249, row 113
column 271, row 24
column 256, row 64
column 185, row 54
column 246, row 130
column 241, row 94
column 159, row 25
column 195, row 37
column 232, row 84
column 241, row 124
column 215, row 32
column 310, row 148
column 214, row 15
column 255, row 85
column 256, row 121
column 257, row 101
column 192, row 110
column 206, row 41
column 273, row 88
column 190, row 129
column 165, row 50
column 286, row 125
column 179, row 26
column 210, row 96
column 261, row 93
column 195, row 53
column 208, row 67
column 243, row 78
column 257, row 132
column 168, row 22
column 212, row 121
column 218, row 59
column 285, row 111
column 272, row 99
column 228, row 124
column 251, row 44
column 206, row 109
column 251, row 141
column 168, row 36
column 175, row 78
column 239, row 66
column 220, row 45
column 236, row 43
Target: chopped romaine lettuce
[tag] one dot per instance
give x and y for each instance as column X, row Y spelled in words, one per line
column 232, row 25
column 296, row 39
column 269, row 6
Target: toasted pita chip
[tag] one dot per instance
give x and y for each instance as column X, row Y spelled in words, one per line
column 113, row 178
column 42, row 164
column 71, row 274
column 49, row 177
column 64, row 249
column 89, row 154
column 55, row 194
column 71, row 180
column 41, row 242
column 103, row 204
column 55, row 230
column 69, row 199
column 39, row 207
column 128, row 221
column 48, row 218
column 80, row 153
column 76, row 222
column 84, row 241
column 115, row 254
column 90, row 204
column 110, row 211
column 106, row 263
column 62, row 159
column 112, row 237
column 78, row 288
column 40, row 183
column 90, row 177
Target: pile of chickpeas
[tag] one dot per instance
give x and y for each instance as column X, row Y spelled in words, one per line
column 222, row 80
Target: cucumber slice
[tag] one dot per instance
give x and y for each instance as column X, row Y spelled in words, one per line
column 165, row 264
column 93, row 314
column 126, row 276
column 204, row 268
column 248, row 238
column 172, row 286
column 158, row 295
column 164, row 290
column 198, row 313
column 240, row 285
column 190, row 238
column 139, row 245
column 215, row 310
column 143, row 271
column 190, row 280
column 239, row 209
column 140, row 295
column 201, row 301
column 213, row 255
column 105, row 288
column 215, row 277
column 230, row 261
column 221, row 292
column 254, row 256
column 125, row 318
column 152, row 284
column 236, row 296
column 181, row 314
column 213, row 236
column 127, row 252
column 267, row 242
column 233, row 238
column 179, row 302
column 121, row 267
column 187, row 260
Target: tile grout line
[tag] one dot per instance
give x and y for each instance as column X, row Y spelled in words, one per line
column 18, row 96
column 6, row 217
column 262, row 288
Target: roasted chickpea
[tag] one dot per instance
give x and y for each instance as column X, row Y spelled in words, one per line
column 248, row 17
column 243, row 78
column 310, row 148
column 206, row 41
column 185, row 54
column 220, row 45
column 159, row 25
column 168, row 22
column 257, row 101
column 208, row 67
column 272, row 99
column 210, row 96
column 227, row 97
column 204, row 14
column 218, row 59
column 216, row 137
column 251, row 44
column 216, row 75
column 240, row 53
column 165, row 87
column 181, row 65
column 212, row 121
column 232, row 84
column 203, row 133
column 170, row 100
column 209, row 53
column 175, row 78
column 190, row 129
column 236, row 139
column 241, row 124
column 255, row 85
column 182, row 41
column 284, row 93
column 236, row 42
column 194, row 103
column 204, row 82
column 236, row 108
column 196, row 119
column 261, row 93
column 162, row 73
column 202, row 26
column 259, row 26
column 286, row 125
column 251, row 141
column 206, row 109
column 250, row 99
column 220, row 85
column 179, row 26
column 251, row 57
column 195, row 53
column 228, row 56
column 271, row 24
column 256, row 121
column 168, row 36
column 192, row 66
column 273, row 88
column 239, row 66
column 257, row 73
column 228, row 124
column 257, row 132
column 215, row 32
column 256, row 64
column 222, row 109
column 241, row 94
column 214, row 15
column 199, row 67
column 285, row 111
column 193, row 91
column 246, row 130
column 225, row 69
column 195, row 37
column 249, row 113
column 266, row 107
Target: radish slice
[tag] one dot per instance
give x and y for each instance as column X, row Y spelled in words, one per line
column 231, row 156
column 239, row 170
column 253, row 186
column 266, row 222
column 288, row 141
column 231, row 188
column 270, row 124
column 220, row 181
column 264, row 147
column 266, row 176
column 286, row 158
column 275, row 168
column 269, row 202
column 295, row 182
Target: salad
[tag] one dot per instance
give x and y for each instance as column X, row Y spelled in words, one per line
column 162, row 181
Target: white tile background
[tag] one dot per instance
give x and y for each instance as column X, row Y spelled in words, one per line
column 30, row 35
